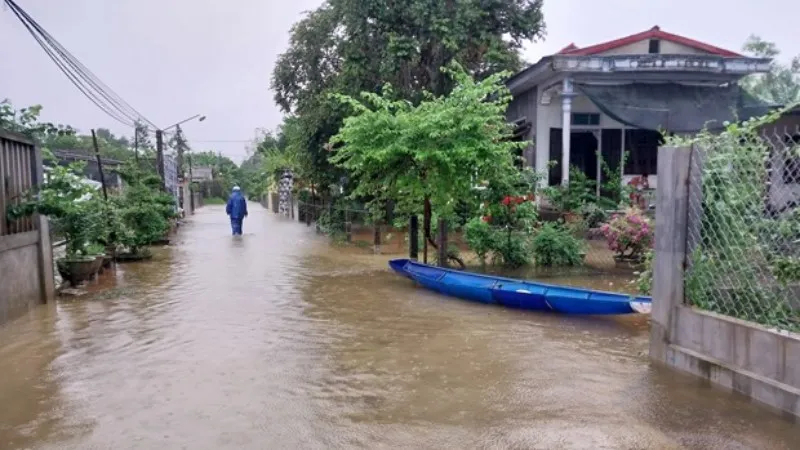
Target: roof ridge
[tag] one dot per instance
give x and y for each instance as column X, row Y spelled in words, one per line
column 653, row 33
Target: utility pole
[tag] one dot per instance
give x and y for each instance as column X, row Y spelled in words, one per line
column 180, row 142
column 136, row 145
column 191, row 190
column 99, row 165
column 160, row 158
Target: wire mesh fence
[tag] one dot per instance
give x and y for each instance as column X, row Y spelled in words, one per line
column 743, row 237
column 587, row 248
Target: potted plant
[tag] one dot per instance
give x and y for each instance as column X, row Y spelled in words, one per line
column 594, row 216
column 68, row 202
column 629, row 236
column 568, row 200
column 143, row 211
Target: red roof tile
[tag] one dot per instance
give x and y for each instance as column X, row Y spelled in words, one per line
column 653, row 33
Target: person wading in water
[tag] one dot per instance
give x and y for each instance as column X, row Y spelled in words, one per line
column 237, row 210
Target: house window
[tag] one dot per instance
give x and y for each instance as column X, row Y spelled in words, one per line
column 791, row 161
column 586, row 119
column 655, row 46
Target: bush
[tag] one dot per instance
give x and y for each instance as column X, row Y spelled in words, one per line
column 644, row 279
column 629, row 235
column 594, row 215
column 555, row 246
column 480, row 238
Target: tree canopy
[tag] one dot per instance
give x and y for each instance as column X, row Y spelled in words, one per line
column 781, row 85
column 438, row 150
column 350, row 46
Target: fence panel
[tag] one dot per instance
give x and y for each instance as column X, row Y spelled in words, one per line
column 743, row 236
column 17, row 176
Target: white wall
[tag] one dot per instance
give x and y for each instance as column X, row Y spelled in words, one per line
column 643, row 47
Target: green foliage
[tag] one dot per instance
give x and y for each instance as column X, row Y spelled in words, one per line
column 144, row 209
column 737, row 267
column 26, row 121
column 593, row 214
column 644, row 279
column 579, row 191
column 616, row 193
column 438, row 149
column 480, row 237
column 57, row 137
column 786, row 269
column 350, row 46
column 781, row 85
column 67, row 201
column 555, row 246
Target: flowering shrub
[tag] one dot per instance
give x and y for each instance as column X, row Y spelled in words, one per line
column 629, row 235
column 503, row 230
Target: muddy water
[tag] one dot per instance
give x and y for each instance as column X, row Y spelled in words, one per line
column 279, row 341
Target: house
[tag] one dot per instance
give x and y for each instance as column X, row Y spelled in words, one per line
column 783, row 165
column 616, row 98
column 92, row 170
column 202, row 173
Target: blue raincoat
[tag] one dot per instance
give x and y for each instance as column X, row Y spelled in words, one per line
column 237, row 210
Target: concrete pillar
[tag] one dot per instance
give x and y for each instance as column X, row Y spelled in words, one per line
column 542, row 140
column 566, row 128
column 672, row 202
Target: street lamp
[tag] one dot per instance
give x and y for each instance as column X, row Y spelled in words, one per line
column 199, row 118
column 160, row 145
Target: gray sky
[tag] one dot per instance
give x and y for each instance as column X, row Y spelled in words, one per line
column 171, row 59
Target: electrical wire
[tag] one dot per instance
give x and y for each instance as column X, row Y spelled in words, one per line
column 84, row 72
column 77, row 68
column 73, row 79
column 113, row 105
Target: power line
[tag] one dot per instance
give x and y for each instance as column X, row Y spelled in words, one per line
column 114, row 105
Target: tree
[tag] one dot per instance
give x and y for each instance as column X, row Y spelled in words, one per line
column 26, row 121
column 350, row 46
column 427, row 157
column 781, row 85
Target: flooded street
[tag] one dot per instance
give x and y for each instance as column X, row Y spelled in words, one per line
column 279, row 340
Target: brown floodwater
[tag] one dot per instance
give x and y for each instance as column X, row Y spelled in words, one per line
column 279, row 340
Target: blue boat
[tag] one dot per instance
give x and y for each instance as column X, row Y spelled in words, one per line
column 519, row 294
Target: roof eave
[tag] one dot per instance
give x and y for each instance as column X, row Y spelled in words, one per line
column 526, row 78
column 661, row 63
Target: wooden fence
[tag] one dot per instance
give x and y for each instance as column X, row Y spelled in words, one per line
column 18, row 174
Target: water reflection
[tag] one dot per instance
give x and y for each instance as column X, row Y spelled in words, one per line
column 278, row 340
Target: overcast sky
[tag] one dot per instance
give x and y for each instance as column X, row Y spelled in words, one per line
column 171, row 59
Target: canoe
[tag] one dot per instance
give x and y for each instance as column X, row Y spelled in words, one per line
column 519, row 294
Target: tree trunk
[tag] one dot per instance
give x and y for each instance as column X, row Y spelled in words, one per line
column 426, row 225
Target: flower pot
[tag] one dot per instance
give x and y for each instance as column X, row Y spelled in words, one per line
column 98, row 261
column 76, row 271
column 594, row 234
column 133, row 257
column 628, row 263
column 571, row 217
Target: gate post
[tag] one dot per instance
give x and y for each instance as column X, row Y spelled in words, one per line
column 442, row 251
column 672, row 203
column 413, row 238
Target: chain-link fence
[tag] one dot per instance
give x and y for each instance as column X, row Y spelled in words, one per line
column 576, row 246
column 743, row 237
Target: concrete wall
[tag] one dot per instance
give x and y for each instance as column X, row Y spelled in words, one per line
column 26, row 271
column 525, row 105
column 734, row 354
